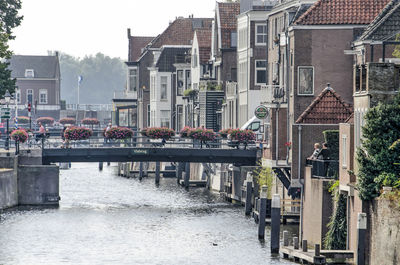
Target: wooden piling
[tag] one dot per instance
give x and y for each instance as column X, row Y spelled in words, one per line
column 249, row 195
column 187, row 175
column 100, row 166
column 275, row 223
column 262, row 212
column 361, row 231
column 157, row 178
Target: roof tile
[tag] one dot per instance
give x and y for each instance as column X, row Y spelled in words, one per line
column 136, row 44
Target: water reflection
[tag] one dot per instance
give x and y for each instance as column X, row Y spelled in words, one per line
column 105, row 219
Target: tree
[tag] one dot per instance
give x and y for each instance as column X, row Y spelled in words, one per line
column 9, row 19
column 381, row 130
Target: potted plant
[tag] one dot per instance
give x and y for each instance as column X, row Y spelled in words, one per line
column 119, row 133
column 184, row 133
column 224, row 133
column 202, row 134
column 65, row 121
column 76, row 133
column 160, row 133
column 45, row 120
column 19, row 135
column 90, row 121
column 23, row 120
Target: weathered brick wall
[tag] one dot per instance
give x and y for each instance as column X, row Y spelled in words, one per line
column 385, row 232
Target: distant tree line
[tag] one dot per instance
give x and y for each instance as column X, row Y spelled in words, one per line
column 102, row 75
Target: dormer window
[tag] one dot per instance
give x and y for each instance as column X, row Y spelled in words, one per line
column 29, row 73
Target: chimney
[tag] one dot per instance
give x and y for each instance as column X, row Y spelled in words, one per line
column 129, row 33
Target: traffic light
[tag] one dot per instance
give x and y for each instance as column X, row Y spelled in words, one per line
column 29, row 107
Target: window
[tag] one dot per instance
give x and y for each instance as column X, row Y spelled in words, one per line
column 344, row 151
column 261, row 72
column 179, row 118
column 148, row 115
column 29, row 73
column 261, row 34
column 305, row 80
column 43, row 96
column 29, row 95
column 254, row 126
column 180, row 83
column 234, row 74
column 233, row 39
column 164, row 85
column 188, row 79
column 133, row 80
column 164, row 118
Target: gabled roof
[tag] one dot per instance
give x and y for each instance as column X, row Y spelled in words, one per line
column 327, row 108
column 43, row 66
column 136, row 44
column 226, row 16
column 386, row 25
column 204, row 41
column 181, row 31
column 339, row 12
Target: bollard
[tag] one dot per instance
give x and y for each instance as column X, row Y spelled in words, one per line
column 249, row 193
column 187, row 175
column 285, row 238
column 317, row 250
column 100, row 166
column 304, row 245
column 296, row 242
column 157, row 173
column 275, row 223
column 361, row 231
column 140, row 170
column 262, row 212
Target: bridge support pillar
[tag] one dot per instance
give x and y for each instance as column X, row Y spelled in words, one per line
column 157, row 179
column 275, row 223
column 140, row 170
column 179, row 169
column 262, row 212
column 100, row 166
column 187, row 175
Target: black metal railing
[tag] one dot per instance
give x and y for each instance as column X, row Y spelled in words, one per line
column 324, row 168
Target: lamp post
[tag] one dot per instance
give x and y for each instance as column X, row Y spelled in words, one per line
column 7, row 97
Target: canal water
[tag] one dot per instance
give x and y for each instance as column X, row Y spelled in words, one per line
column 106, row 219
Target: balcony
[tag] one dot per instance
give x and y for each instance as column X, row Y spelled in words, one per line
column 273, row 94
column 324, row 168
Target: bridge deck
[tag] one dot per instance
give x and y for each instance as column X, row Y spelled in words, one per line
column 149, row 154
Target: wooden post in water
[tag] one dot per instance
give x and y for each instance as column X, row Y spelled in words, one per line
column 361, row 231
column 285, row 238
column 317, row 250
column 275, row 223
column 157, row 179
column 262, row 212
column 249, row 193
column 140, row 170
column 304, row 245
column 179, row 168
column 187, row 175
column 296, row 242
column 100, row 166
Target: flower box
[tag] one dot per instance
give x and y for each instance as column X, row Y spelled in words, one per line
column 119, row 133
column 64, row 121
column 202, row 134
column 242, row 136
column 19, row 135
column 77, row 133
column 184, row 133
column 45, row 120
column 90, row 121
column 160, row 133
column 23, row 120
column 224, row 133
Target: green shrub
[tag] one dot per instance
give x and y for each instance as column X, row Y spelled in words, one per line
column 386, row 179
column 337, row 227
column 264, row 176
column 332, row 139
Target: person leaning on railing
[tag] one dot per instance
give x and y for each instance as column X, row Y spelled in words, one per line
column 324, row 154
column 317, row 150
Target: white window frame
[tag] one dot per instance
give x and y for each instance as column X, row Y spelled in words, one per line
column 43, row 92
column 298, row 80
column 162, row 84
column 344, row 151
column 165, row 118
column 29, row 73
column 129, row 79
column 256, row 69
column 33, row 96
column 264, row 33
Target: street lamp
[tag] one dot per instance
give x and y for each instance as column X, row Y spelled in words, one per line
column 7, row 98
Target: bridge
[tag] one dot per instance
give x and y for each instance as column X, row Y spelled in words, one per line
column 149, row 154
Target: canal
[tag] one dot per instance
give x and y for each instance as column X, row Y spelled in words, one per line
column 105, row 219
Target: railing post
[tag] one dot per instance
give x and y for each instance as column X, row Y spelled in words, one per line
column 262, row 212
column 275, row 223
column 249, row 193
column 361, row 231
column 157, row 179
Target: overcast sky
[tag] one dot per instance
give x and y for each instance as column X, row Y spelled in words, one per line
column 83, row 27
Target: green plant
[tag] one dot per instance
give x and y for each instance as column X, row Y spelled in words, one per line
column 264, row 176
column 332, row 139
column 381, row 130
column 333, row 187
column 190, row 93
column 336, row 236
column 386, row 179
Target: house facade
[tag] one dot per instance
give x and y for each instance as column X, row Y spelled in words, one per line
column 38, row 82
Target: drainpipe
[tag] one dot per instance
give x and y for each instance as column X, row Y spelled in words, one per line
column 248, row 65
column 277, row 134
column 299, row 163
column 287, row 90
